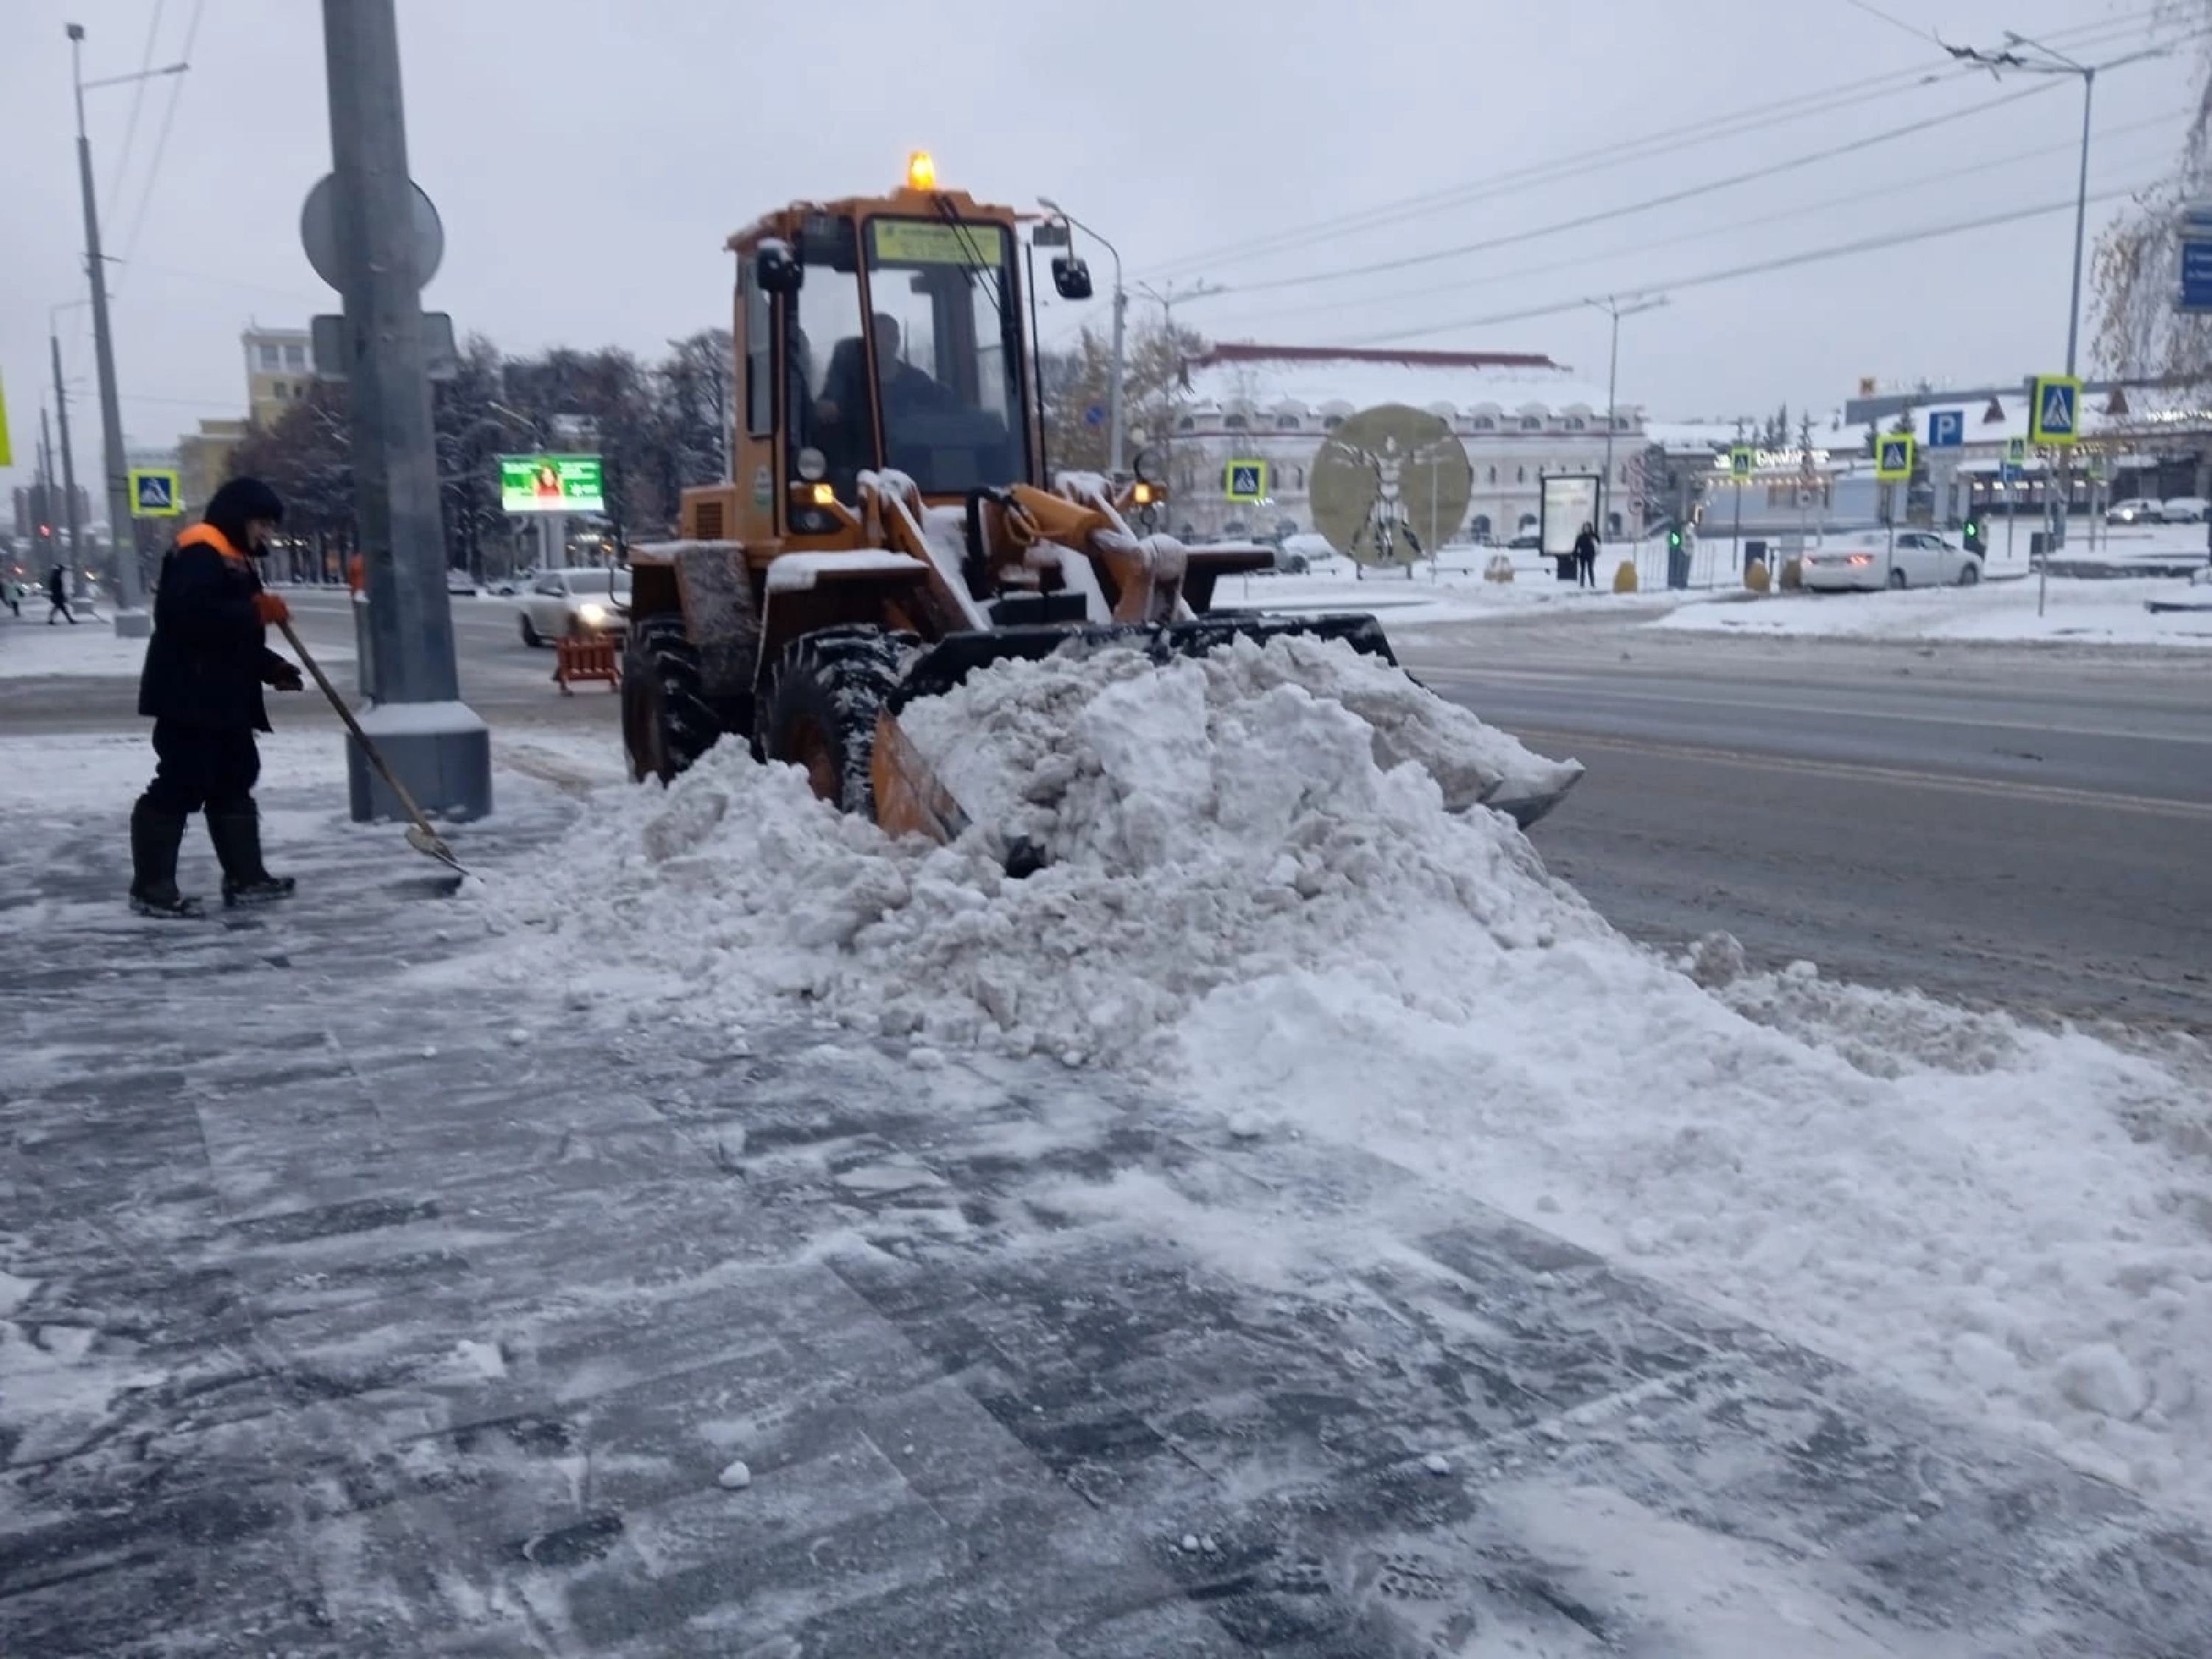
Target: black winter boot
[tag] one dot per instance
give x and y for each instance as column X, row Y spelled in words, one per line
column 236, row 833
column 154, row 838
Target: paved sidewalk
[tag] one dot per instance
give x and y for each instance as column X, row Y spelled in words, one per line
column 338, row 1318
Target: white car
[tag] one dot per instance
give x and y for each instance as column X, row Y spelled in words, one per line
column 460, row 583
column 2184, row 509
column 574, row 604
column 2136, row 509
column 1921, row 559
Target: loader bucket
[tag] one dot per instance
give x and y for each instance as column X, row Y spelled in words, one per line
column 952, row 659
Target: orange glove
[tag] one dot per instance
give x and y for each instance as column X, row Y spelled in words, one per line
column 271, row 609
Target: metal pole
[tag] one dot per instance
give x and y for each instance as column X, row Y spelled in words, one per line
column 1114, row 439
column 1612, row 380
column 131, row 618
column 2080, row 220
column 1735, row 532
column 400, row 532
column 68, row 470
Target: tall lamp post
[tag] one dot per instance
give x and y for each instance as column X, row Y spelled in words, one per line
column 1616, row 307
column 1115, row 439
column 1168, row 298
column 2034, row 58
column 131, row 619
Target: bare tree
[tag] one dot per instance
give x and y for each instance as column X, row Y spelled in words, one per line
column 2139, row 334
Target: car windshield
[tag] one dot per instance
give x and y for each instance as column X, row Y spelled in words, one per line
column 596, row 581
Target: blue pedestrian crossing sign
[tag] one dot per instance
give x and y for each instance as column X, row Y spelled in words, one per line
column 2015, row 457
column 154, row 494
column 1245, row 480
column 1946, row 428
column 1893, row 456
column 2054, row 409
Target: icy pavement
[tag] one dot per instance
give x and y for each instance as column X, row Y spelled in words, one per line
column 2078, row 611
column 348, row 1310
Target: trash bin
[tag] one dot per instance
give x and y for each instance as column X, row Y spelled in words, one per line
column 2039, row 541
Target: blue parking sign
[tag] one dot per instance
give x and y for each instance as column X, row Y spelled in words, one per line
column 1946, row 428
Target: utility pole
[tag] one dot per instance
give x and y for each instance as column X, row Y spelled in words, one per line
column 1613, row 307
column 131, row 620
column 437, row 746
column 69, row 469
column 2046, row 61
column 1116, row 441
column 1168, row 298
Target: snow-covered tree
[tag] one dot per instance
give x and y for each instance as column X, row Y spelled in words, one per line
column 2138, row 334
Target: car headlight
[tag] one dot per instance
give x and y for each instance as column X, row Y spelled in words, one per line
column 591, row 613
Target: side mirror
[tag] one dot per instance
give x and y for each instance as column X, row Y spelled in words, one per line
column 1071, row 277
column 776, row 270
column 1150, row 468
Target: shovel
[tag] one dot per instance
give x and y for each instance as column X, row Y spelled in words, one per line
column 420, row 836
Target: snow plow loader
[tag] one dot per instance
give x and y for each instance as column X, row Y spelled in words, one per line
column 888, row 527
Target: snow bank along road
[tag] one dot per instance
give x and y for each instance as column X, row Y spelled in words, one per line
column 2026, row 827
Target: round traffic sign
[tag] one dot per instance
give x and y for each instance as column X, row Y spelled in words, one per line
column 319, row 233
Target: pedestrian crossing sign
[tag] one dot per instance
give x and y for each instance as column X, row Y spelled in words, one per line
column 1245, row 480
column 2015, row 452
column 1740, row 457
column 1893, row 456
column 154, row 494
column 2054, row 409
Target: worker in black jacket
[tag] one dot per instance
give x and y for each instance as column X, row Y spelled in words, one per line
column 205, row 668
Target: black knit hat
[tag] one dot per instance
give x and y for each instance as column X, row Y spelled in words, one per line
column 237, row 504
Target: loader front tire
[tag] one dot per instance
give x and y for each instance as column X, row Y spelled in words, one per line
column 667, row 722
column 821, row 708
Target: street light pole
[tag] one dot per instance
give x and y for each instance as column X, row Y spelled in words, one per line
column 69, row 472
column 1613, row 308
column 1116, row 441
column 1167, row 300
column 131, row 620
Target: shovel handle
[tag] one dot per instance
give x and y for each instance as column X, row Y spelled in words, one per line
column 375, row 758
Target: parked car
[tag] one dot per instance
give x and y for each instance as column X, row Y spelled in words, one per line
column 2136, row 509
column 1921, row 559
column 2184, row 509
column 574, row 604
column 460, row 583
column 1528, row 542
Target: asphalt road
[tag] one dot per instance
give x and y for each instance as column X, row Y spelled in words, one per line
column 2026, row 828
column 2022, row 826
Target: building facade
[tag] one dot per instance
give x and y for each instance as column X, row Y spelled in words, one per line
column 278, row 371
column 1520, row 416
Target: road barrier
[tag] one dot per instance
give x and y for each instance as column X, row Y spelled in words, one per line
column 579, row 661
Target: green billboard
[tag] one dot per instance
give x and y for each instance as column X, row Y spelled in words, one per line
column 550, row 484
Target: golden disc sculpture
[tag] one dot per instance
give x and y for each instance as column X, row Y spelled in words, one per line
column 1391, row 485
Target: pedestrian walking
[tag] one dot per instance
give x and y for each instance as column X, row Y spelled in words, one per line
column 205, row 668
column 12, row 591
column 1586, row 557
column 57, row 597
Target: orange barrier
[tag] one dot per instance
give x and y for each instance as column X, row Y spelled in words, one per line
column 579, row 659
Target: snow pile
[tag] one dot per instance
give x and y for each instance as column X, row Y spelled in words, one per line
column 1259, row 895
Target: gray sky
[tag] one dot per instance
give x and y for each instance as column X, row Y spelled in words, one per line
column 589, row 160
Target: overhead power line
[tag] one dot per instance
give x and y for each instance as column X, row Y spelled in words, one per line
column 1584, row 262
column 1650, row 203
column 1604, row 157
column 1760, row 267
column 137, row 99
column 161, row 138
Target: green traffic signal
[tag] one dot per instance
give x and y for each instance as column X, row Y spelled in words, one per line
column 1674, row 539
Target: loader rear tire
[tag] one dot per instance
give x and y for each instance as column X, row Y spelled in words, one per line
column 667, row 723
column 820, row 708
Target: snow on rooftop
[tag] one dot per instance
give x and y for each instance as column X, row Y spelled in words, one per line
column 1348, row 378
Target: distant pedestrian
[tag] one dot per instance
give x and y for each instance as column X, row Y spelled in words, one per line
column 1586, row 557
column 57, row 597
column 205, row 668
column 12, row 591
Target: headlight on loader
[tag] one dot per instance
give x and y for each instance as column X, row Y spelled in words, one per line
column 591, row 613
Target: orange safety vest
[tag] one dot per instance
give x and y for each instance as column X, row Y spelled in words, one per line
column 206, row 535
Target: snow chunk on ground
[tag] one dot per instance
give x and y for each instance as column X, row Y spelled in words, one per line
column 1259, row 897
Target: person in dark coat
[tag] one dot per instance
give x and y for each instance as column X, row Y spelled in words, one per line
column 57, row 597
column 205, row 668
column 1586, row 557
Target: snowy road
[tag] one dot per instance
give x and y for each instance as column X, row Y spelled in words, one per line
column 2017, row 826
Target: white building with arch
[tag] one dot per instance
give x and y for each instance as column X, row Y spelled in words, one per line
column 1519, row 414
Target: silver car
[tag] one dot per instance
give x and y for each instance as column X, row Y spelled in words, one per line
column 573, row 604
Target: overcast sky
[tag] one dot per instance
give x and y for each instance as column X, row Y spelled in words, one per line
column 589, row 159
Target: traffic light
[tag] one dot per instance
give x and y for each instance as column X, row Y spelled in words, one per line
column 1973, row 535
column 1674, row 538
